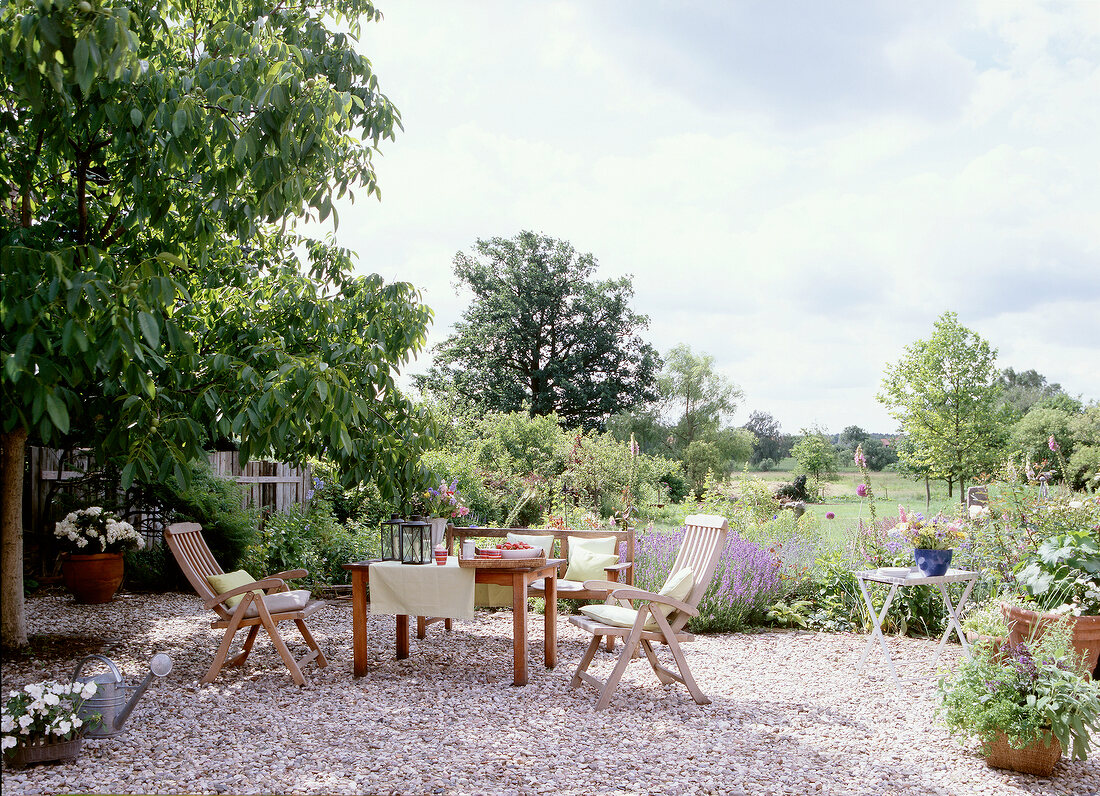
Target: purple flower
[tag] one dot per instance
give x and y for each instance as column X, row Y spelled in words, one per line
column 1053, row 443
column 861, row 490
column 830, row 516
column 860, row 459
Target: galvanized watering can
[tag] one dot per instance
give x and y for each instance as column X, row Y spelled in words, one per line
column 110, row 700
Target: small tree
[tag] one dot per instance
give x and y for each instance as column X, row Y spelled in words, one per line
column 945, row 394
column 815, row 455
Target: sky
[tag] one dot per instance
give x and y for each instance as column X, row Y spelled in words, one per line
column 798, row 189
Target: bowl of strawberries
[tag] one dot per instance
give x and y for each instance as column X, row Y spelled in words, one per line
column 518, row 550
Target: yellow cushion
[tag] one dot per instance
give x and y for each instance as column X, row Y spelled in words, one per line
column 678, row 587
column 600, row 544
column 229, row 581
column 545, row 542
column 616, row 616
column 586, row 565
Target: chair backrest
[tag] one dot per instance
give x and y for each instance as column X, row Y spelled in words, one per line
column 704, row 540
column 187, row 544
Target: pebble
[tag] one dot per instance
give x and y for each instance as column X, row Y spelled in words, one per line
column 788, row 716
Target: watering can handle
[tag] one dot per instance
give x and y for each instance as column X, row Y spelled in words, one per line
column 108, row 661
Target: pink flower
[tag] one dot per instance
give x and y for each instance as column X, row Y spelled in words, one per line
column 860, row 460
column 1053, row 443
column 861, row 490
column 830, row 516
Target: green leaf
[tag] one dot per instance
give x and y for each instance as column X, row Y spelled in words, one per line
column 179, row 121
column 58, row 413
column 136, row 117
column 150, row 329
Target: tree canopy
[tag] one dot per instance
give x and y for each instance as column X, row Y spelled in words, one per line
column 944, row 391
column 541, row 334
column 158, row 155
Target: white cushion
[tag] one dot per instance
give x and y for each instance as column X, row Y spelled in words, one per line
column 678, row 587
column 545, row 542
column 563, row 585
column 616, row 616
column 280, row 602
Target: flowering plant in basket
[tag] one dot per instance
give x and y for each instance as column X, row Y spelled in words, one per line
column 93, row 530
column 1025, row 692
column 43, row 713
column 938, row 533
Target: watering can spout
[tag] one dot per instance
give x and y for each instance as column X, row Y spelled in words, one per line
column 159, row 667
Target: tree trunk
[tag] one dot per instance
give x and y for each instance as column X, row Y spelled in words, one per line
column 962, row 490
column 13, row 620
column 927, row 493
column 951, row 487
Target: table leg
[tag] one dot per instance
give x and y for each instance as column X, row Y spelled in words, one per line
column 876, row 629
column 402, row 636
column 550, row 623
column 953, row 619
column 358, row 622
column 519, row 628
column 421, row 626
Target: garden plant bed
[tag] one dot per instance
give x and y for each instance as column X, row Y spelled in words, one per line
column 788, row 715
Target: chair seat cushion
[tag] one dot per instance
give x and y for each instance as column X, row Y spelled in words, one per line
column 228, row 581
column 616, row 616
column 281, row 602
column 563, row 585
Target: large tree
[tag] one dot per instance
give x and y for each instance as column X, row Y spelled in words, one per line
column 771, row 443
column 541, row 333
column 944, row 391
column 156, row 156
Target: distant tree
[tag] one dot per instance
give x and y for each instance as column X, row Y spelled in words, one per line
column 541, row 334
column 944, row 391
column 852, row 436
column 815, row 454
column 1030, row 435
column 877, row 454
column 770, row 440
column 1020, row 391
column 1084, row 463
column 695, row 395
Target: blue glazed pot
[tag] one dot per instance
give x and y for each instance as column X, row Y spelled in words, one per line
column 932, row 563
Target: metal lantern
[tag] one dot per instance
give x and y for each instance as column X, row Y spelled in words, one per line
column 415, row 541
column 391, row 538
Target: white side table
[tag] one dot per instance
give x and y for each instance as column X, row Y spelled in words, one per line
column 900, row 576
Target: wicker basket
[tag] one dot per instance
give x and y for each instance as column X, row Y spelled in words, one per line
column 63, row 751
column 1038, row 758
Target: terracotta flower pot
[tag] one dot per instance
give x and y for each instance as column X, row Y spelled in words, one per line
column 1086, row 631
column 93, row 578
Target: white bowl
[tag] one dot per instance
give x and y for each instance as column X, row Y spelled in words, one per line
column 534, row 552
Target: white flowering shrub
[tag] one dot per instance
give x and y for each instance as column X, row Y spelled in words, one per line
column 44, row 713
column 94, row 530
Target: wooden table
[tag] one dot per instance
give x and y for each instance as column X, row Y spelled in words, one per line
column 518, row 578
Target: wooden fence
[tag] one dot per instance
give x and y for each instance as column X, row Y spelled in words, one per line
column 268, row 486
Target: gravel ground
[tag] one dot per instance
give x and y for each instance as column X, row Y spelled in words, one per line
column 789, row 716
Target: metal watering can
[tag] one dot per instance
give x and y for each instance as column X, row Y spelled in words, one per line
column 109, row 700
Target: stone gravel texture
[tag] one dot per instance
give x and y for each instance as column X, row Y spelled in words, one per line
column 789, row 715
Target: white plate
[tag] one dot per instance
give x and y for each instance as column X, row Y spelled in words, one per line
column 533, row 552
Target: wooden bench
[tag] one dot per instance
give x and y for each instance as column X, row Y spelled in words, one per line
column 622, row 572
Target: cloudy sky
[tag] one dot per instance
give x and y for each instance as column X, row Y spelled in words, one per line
column 798, row 188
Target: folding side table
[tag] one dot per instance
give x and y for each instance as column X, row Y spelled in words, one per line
column 900, row 576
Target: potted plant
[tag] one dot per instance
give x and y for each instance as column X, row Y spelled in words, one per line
column 1061, row 577
column 94, row 540
column 441, row 505
column 41, row 724
column 933, row 540
column 1026, row 706
column 985, row 622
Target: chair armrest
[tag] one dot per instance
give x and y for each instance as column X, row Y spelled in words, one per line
column 622, row 565
column 266, row 583
column 290, row 574
column 648, row 596
column 601, row 585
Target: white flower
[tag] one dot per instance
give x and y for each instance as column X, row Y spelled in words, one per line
column 8, row 742
column 25, row 721
column 51, row 699
column 76, row 688
column 76, row 721
column 65, row 727
column 7, row 724
column 34, row 689
column 94, row 511
column 88, row 689
column 1076, row 504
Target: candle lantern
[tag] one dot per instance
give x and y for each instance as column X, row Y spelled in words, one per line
column 391, row 538
column 416, row 541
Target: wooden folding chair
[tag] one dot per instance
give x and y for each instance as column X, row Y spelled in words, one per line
column 276, row 604
column 659, row 617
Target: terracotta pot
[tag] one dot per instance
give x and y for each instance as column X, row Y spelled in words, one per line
column 93, row 578
column 1086, row 631
column 1038, row 758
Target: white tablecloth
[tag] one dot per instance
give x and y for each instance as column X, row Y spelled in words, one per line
column 422, row 589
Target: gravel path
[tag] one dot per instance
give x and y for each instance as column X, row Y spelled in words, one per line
column 789, row 716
